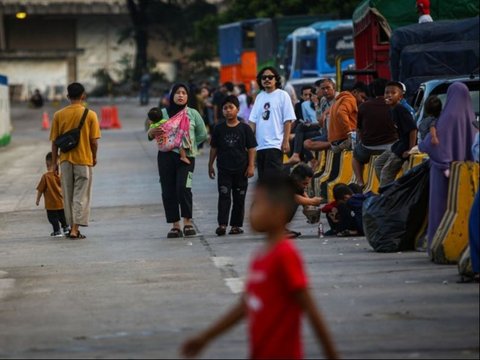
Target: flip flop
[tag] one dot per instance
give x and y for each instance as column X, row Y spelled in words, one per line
column 174, row 233
column 189, row 230
column 221, row 230
column 235, row 230
column 79, row 236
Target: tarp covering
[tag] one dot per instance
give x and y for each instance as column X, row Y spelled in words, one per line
column 401, row 13
column 439, row 32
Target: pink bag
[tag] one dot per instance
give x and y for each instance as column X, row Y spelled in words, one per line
column 176, row 133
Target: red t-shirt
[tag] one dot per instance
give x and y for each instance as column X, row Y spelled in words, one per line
column 273, row 312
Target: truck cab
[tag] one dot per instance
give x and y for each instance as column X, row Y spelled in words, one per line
column 311, row 52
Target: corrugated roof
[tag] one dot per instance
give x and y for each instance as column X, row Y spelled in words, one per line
column 41, row 7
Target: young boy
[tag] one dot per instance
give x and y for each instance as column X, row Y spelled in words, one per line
column 390, row 162
column 277, row 290
column 433, row 109
column 51, row 189
column 233, row 145
column 340, row 215
column 156, row 118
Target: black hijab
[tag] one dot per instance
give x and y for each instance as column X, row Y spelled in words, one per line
column 173, row 108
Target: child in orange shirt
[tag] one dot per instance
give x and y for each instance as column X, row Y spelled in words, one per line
column 50, row 187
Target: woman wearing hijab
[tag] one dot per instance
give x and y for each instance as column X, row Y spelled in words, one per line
column 176, row 175
column 456, row 134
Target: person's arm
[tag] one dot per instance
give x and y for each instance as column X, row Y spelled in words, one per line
column 215, row 114
column 200, row 129
column 253, row 126
column 343, row 119
column 193, row 346
column 55, row 158
column 412, row 142
column 306, row 201
column 433, row 134
column 211, row 161
column 287, row 128
column 305, row 299
column 94, row 148
column 39, row 196
column 251, row 163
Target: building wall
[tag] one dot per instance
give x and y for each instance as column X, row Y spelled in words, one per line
column 98, row 37
column 49, row 76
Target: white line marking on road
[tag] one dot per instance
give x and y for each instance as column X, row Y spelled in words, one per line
column 235, row 285
column 3, row 274
column 221, row 261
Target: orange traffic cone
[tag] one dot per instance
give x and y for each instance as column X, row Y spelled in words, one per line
column 116, row 124
column 45, row 121
column 106, row 122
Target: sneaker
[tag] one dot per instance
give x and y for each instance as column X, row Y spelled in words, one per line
column 66, row 231
column 56, row 234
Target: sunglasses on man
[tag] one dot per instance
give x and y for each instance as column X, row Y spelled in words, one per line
column 268, row 77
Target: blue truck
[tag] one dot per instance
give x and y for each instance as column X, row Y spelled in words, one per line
column 312, row 51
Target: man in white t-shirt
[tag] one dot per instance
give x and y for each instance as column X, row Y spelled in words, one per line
column 271, row 119
column 423, row 9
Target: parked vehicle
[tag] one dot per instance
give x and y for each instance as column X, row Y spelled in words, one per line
column 312, row 51
column 238, row 58
column 375, row 20
column 439, row 88
column 271, row 34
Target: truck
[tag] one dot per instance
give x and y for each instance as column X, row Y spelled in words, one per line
column 313, row 51
column 375, row 20
column 238, row 58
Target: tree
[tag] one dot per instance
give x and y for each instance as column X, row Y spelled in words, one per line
column 138, row 16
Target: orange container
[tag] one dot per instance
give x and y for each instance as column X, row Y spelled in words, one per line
column 244, row 72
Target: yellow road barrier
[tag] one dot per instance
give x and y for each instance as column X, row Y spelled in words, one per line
column 345, row 173
column 451, row 237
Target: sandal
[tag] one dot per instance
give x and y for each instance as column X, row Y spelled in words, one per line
column 174, row 233
column 79, row 236
column 221, row 230
column 189, row 230
column 290, row 234
column 347, row 233
column 235, row 230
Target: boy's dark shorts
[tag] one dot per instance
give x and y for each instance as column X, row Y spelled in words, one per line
column 363, row 154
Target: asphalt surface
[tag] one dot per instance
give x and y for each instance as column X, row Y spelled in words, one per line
column 129, row 292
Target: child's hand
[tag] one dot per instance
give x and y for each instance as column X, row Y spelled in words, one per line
column 211, row 172
column 316, row 201
column 435, row 140
column 37, row 202
column 250, row 172
column 192, row 347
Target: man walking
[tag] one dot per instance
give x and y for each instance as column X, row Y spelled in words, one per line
column 271, row 119
column 76, row 164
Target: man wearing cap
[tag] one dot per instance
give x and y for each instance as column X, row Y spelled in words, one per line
column 423, row 9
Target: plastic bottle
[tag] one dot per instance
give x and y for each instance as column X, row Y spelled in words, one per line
column 320, row 230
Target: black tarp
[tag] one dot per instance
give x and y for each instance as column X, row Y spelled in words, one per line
column 439, row 58
column 438, row 31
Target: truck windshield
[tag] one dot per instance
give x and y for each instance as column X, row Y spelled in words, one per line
column 339, row 43
column 306, row 58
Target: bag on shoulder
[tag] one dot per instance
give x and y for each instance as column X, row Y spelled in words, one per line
column 71, row 138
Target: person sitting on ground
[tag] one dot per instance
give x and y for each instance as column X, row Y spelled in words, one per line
column 343, row 120
column 277, row 292
column 233, row 145
column 375, row 130
column 340, row 216
column 433, row 109
column 155, row 116
column 51, row 188
column 390, row 162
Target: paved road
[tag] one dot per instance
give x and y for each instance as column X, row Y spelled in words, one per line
column 129, row 292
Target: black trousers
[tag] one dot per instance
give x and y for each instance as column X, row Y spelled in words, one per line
column 231, row 185
column 57, row 218
column 303, row 133
column 269, row 160
column 176, row 182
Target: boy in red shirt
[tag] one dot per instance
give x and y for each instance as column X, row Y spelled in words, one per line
column 277, row 288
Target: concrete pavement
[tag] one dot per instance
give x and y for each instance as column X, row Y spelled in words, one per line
column 129, row 292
